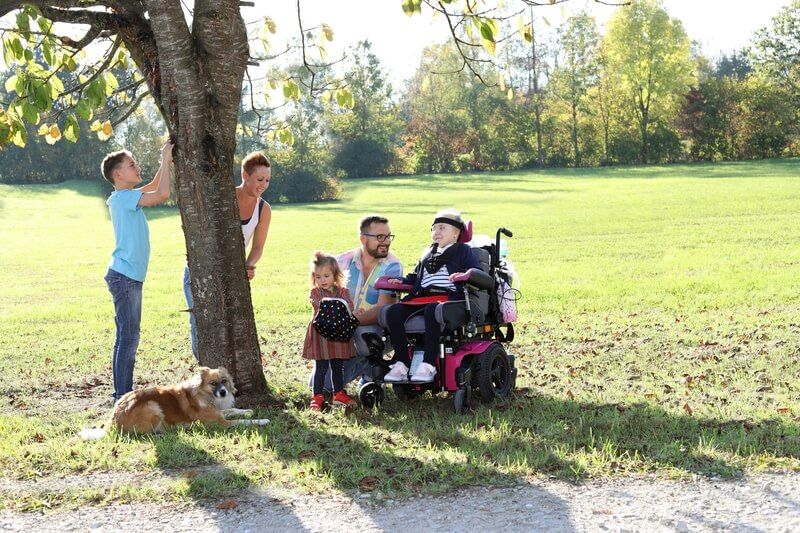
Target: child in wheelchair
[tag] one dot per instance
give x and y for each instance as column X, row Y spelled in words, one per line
column 437, row 278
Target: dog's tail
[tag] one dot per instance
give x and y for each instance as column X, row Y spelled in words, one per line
column 93, row 433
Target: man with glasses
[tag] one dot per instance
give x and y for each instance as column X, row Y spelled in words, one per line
column 363, row 266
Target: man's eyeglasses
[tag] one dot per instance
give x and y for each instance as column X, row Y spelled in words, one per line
column 380, row 236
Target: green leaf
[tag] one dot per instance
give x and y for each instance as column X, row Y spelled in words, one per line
column 47, row 52
column 8, row 51
column 96, row 93
column 69, row 62
column 345, row 98
column 71, row 129
column 486, row 31
column 111, row 83
column 41, row 95
column 44, row 24
column 83, row 109
column 291, row 91
column 20, row 137
column 23, row 22
column 19, row 52
column 21, row 84
column 57, row 87
column 30, row 113
column 412, row 6
column 286, row 137
column 11, row 84
column 28, row 55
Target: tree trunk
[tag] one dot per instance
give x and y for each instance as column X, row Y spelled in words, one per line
column 575, row 134
column 199, row 84
column 537, row 110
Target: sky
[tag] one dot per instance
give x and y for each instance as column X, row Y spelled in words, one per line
column 719, row 26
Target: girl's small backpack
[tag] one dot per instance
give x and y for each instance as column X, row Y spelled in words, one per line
column 334, row 321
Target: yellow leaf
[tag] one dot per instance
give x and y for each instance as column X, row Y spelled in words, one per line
column 270, row 25
column 327, row 32
column 510, row 94
column 528, row 33
column 105, row 131
column 53, row 134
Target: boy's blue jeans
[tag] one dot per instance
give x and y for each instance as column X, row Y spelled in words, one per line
column 127, row 296
column 187, row 291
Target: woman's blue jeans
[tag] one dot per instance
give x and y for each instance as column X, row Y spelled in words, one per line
column 127, row 296
column 187, row 291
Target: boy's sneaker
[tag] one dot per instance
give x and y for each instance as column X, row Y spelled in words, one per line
column 423, row 374
column 316, row 402
column 399, row 372
column 341, row 398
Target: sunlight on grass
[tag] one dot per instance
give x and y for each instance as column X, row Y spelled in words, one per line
column 659, row 333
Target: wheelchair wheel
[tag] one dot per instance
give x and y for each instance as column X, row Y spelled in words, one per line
column 405, row 393
column 494, row 374
column 370, row 395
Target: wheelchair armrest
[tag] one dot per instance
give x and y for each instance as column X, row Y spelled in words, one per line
column 476, row 278
column 383, row 283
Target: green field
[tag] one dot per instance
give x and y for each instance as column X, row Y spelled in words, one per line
column 659, row 333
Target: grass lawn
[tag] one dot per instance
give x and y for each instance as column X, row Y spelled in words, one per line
column 659, row 333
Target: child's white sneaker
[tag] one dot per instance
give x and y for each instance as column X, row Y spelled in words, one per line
column 424, row 374
column 398, row 372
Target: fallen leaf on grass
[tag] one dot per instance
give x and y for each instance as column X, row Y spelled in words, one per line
column 189, row 474
column 38, row 437
column 308, row 454
column 687, row 409
column 227, row 504
column 368, row 483
column 570, row 395
column 784, row 410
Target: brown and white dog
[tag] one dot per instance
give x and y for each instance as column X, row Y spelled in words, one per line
column 208, row 397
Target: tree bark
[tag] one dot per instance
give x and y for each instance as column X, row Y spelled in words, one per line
column 199, row 78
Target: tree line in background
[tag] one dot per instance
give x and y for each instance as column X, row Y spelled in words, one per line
column 638, row 94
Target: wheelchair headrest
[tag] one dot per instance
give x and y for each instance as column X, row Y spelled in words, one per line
column 466, row 235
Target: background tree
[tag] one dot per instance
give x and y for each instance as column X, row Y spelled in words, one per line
column 650, row 54
column 365, row 137
column 578, row 40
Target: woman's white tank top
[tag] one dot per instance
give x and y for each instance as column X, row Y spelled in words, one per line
column 250, row 227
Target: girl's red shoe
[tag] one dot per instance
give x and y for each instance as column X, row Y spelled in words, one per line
column 341, row 398
column 316, row 402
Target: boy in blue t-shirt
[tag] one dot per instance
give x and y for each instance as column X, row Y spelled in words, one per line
column 128, row 266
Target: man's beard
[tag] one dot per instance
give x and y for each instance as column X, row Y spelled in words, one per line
column 379, row 252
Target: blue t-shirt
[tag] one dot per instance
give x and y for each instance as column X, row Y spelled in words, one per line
column 132, row 251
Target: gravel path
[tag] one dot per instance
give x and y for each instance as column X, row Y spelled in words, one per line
column 761, row 503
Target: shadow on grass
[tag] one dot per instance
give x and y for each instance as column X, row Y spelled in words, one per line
column 421, row 447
